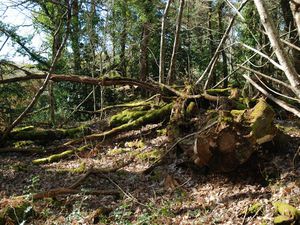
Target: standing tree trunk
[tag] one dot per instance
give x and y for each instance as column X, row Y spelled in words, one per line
column 171, row 73
column 93, row 41
column 75, row 38
column 144, row 65
column 212, row 78
column 57, row 42
column 162, row 44
column 123, row 40
column 224, row 57
column 285, row 62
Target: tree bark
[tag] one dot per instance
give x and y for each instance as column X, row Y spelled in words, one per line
column 224, row 57
column 171, row 73
column 295, row 7
column 162, row 44
column 87, row 80
column 212, row 78
column 123, row 40
column 144, row 65
column 75, row 38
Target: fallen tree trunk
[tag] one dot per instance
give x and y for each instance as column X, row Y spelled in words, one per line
column 104, row 81
column 233, row 138
column 152, row 116
column 46, row 135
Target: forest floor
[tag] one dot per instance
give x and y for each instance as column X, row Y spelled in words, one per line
column 173, row 193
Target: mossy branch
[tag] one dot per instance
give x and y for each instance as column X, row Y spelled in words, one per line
column 155, row 115
column 59, row 156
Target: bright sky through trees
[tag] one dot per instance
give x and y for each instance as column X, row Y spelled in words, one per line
column 16, row 16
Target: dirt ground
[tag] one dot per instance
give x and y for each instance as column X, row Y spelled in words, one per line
column 173, row 193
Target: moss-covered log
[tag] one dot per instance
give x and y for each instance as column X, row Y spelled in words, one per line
column 45, row 135
column 59, row 156
column 236, row 135
column 152, row 116
column 125, row 117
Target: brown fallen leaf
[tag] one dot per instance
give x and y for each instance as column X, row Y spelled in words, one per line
column 170, row 183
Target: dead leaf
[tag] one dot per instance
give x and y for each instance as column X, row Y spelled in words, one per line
column 170, row 183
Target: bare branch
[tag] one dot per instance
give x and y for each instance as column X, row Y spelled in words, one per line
column 279, row 102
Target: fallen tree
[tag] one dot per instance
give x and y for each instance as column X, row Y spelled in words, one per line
column 234, row 135
column 46, row 135
column 235, row 130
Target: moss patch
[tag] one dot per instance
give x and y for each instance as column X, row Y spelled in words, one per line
column 59, row 156
column 15, row 210
column 125, row 117
column 151, row 155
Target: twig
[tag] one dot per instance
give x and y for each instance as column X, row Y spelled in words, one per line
column 72, row 188
column 158, row 161
column 245, row 215
column 65, row 191
column 127, row 194
column 295, row 157
column 100, row 171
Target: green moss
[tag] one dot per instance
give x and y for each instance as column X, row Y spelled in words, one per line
column 125, row 117
column 226, row 119
column 22, row 144
column 162, row 131
column 117, row 151
column 282, row 220
column 219, row 91
column 16, row 212
column 59, row 156
column 254, row 209
column 238, row 115
column 261, row 118
column 48, row 134
column 152, row 116
column 190, row 110
column 151, row 155
column 80, row 169
column 135, row 144
column 285, row 209
column 112, row 75
column 27, row 128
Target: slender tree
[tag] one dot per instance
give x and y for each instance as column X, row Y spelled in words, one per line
column 172, row 68
column 162, row 43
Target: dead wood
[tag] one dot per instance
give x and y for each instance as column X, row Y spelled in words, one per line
column 233, row 138
column 46, row 135
column 59, row 156
column 66, row 191
column 105, row 81
column 72, row 188
column 152, row 116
